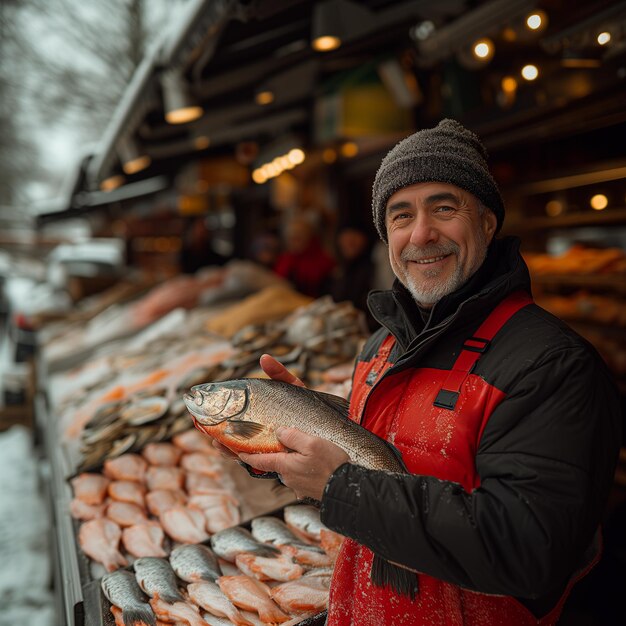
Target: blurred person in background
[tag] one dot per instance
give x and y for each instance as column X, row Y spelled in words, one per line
column 304, row 263
column 353, row 275
column 265, row 249
column 197, row 247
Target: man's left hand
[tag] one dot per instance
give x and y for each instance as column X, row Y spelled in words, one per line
column 306, row 468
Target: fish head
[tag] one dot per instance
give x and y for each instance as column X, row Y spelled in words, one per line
column 213, row 403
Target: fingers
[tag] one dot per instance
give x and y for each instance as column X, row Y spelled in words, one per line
column 277, row 371
column 264, row 462
column 295, row 439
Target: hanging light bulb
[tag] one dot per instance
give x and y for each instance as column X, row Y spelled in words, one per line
column 599, row 202
column 537, row 20
column 132, row 159
column 604, row 38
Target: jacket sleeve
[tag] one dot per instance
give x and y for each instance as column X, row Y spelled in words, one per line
column 546, row 462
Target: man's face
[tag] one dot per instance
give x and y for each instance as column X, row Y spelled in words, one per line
column 437, row 238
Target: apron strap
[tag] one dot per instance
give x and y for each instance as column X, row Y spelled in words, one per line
column 477, row 345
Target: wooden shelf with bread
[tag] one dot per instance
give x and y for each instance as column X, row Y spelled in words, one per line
column 573, row 231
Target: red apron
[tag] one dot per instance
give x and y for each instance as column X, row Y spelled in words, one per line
column 453, row 408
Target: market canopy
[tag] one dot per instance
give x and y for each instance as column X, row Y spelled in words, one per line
column 264, row 77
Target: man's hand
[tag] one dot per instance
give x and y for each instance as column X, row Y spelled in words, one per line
column 307, row 468
column 274, row 370
column 277, row 371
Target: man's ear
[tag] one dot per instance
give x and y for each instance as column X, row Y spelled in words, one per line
column 489, row 224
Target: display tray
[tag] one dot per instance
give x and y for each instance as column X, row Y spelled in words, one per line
column 97, row 607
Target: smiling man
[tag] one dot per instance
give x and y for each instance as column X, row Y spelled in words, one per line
column 507, row 421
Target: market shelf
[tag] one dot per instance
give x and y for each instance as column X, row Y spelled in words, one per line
column 586, row 218
column 607, row 282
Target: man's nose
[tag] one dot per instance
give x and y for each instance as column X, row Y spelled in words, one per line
column 424, row 231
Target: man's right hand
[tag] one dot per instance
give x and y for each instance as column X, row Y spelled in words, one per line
column 277, row 371
column 274, row 370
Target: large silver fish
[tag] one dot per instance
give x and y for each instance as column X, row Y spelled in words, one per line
column 122, row 590
column 244, row 414
column 194, row 563
column 156, row 576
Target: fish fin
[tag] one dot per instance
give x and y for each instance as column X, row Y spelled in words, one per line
column 337, row 403
column 396, row 453
column 266, row 550
column 140, row 616
column 170, row 598
column 241, row 429
column 402, row 581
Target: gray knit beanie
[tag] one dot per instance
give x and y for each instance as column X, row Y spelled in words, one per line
column 448, row 153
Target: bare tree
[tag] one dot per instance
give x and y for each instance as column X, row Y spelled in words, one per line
column 65, row 65
column 15, row 149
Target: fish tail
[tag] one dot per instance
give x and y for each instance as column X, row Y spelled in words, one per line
column 172, row 597
column 385, row 574
column 140, row 616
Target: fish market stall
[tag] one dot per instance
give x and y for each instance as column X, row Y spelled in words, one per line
column 133, row 482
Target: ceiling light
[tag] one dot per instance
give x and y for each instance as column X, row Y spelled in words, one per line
column 349, row 149
column 530, row 72
column 599, row 202
column 537, row 20
column 554, row 208
column 132, row 159
column 483, row 49
column 604, row 38
column 296, row 156
column 259, row 176
column 423, row 30
column 329, row 156
column 111, row 183
column 180, row 106
column 508, row 84
column 338, row 21
column 202, row 142
column 264, row 97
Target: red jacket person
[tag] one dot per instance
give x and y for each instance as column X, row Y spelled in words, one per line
column 507, row 420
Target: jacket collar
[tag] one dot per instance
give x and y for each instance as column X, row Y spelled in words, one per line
column 503, row 272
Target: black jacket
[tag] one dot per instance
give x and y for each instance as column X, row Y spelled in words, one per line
column 546, row 458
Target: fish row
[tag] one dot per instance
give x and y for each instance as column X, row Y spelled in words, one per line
column 276, row 573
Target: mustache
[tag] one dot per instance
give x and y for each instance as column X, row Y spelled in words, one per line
column 411, row 252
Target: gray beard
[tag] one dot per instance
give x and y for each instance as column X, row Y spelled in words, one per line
column 429, row 297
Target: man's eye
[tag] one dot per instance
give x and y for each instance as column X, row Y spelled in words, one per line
column 444, row 209
column 401, row 216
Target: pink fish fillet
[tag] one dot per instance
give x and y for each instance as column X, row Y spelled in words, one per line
column 193, row 441
column 331, row 542
column 200, row 483
column 126, row 514
column 127, row 491
column 306, row 557
column 280, row 568
column 83, row 511
column 161, row 500
column 211, row 598
column 90, row 488
column 202, row 463
column 144, row 539
column 158, row 477
column 162, row 454
column 126, row 467
column 184, row 525
column 221, row 510
column 250, row 594
column 177, row 612
column 99, row 539
column 305, row 595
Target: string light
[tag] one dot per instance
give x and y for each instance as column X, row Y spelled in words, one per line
column 278, row 165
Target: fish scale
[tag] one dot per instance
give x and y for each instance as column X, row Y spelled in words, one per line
column 156, row 577
column 122, row 590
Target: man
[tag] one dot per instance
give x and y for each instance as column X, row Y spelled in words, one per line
column 507, row 420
